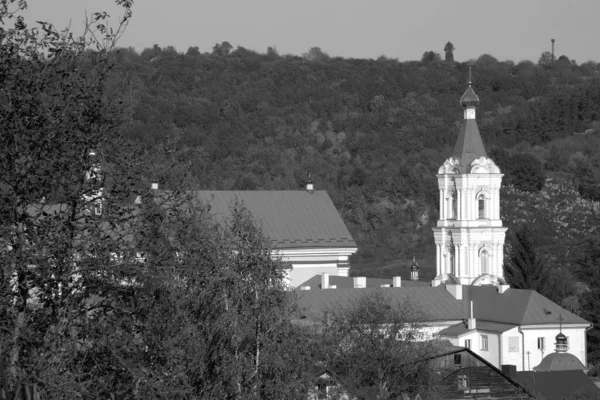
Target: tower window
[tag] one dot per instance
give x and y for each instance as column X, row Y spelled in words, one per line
column 485, row 262
column 481, row 202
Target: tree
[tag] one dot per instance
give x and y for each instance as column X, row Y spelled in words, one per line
column 523, row 267
column 217, row 322
column 449, row 52
column 388, row 339
column 222, row 49
column 546, row 59
column 316, row 54
column 430, row 56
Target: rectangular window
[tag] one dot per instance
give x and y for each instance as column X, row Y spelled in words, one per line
column 468, row 343
column 513, row 344
column 541, row 343
column 463, row 381
column 457, row 359
column 484, row 342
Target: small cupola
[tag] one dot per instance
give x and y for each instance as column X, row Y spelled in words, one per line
column 310, row 187
column 562, row 343
column 469, row 99
column 414, row 270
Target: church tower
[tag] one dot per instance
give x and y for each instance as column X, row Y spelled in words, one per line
column 469, row 236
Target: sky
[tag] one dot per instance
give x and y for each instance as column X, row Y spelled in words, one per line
column 403, row 29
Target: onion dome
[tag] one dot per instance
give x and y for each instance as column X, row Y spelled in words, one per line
column 561, row 343
column 469, row 99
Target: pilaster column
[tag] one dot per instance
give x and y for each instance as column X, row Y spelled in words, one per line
column 442, row 205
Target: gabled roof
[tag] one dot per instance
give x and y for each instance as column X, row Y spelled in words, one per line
column 499, row 310
column 435, row 303
column 557, row 385
column 516, row 306
column 347, row 282
column 486, row 326
column 290, row 218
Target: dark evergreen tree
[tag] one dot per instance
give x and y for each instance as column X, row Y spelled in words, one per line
column 523, row 266
column 449, row 52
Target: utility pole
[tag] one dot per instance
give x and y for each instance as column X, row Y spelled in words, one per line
column 552, row 49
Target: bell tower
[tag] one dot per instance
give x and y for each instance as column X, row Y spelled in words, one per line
column 469, row 235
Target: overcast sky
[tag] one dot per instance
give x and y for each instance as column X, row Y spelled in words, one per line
column 403, row 29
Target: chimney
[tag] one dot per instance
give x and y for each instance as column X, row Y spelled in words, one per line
column 509, row 370
column 397, row 281
column 154, row 186
column 360, row 282
column 455, row 290
column 471, row 322
column 324, row 280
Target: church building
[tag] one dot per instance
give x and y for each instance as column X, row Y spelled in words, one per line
column 468, row 302
column 469, row 236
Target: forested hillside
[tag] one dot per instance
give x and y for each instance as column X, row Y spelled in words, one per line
column 371, row 132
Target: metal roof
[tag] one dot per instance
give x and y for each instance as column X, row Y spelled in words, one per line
column 516, row 306
column 487, row 326
column 469, row 145
column 435, row 303
column 557, row 385
column 499, row 310
column 290, row 218
column 560, row 362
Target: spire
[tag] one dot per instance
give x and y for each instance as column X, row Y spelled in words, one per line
column 469, row 145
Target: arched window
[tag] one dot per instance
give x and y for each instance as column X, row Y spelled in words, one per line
column 481, row 205
column 485, row 262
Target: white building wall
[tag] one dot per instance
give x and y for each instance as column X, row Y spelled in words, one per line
column 508, row 357
column 577, row 344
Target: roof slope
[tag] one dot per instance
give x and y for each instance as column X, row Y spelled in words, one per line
column 516, row 306
column 290, row 218
column 557, row 385
column 469, row 145
column 498, row 310
column 560, row 362
column 461, row 328
column 435, row 303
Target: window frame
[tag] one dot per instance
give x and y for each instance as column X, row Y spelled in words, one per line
column 462, row 381
column 484, row 342
column 541, row 343
column 457, row 359
column 481, row 206
column 468, row 343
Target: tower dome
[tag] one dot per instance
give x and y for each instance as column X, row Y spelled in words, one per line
column 469, row 98
column 561, row 343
